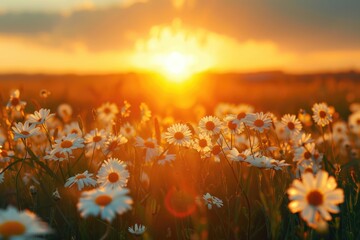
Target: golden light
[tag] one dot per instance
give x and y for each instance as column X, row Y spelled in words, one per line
column 177, row 66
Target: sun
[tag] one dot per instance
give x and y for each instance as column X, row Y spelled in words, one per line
column 177, row 66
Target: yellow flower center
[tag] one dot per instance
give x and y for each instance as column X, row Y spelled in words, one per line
column 107, row 111
column 307, row 155
column 315, row 198
column 210, row 125
column 66, row 144
column 179, row 135
column 216, row 150
column 231, row 125
column 241, row 115
column 291, row 125
column 258, row 123
column 322, row 114
column 202, row 143
column 103, row 200
column 12, row 228
column 25, row 133
column 15, row 101
column 97, row 139
column 113, row 177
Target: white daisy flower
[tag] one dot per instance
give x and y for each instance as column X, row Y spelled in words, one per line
column 178, row 134
column 292, row 124
column 81, row 180
column 95, row 139
column 6, row 155
column 234, row 126
column 113, row 174
column 236, row 156
column 113, row 143
column 105, row 202
column 137, row 229
column 128, row 130
column 21, row 225
column 354, row 123
column 258, row 121
column 210, row 125
column 107, row 112
column 202, row 143
column 315, row 197
column 73, row 128
column 150, row 146
column 67, row 144
column 321, row 114
column 65, row 112
column 25, row 130
column 211, row 201
column 165, row 158
column 15, row 102
column 40, row 117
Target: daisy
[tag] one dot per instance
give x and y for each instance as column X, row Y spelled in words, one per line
column 21, row 225
column 307, row 152
column 262, row 162
column 321, row 114
column 165, row 158
column 105, row 202
column 145, row 112
column 95, row 139
column 65, row 112
column 216, row 151
column 278, row 165
column 178, row 134
column 113, row 174
column 56, row 156
column 150, row 146
column 107, row 112
column 73, row 128
column 81, row 180
column 258, row 121
column 39, row 117
column 137, row 229
column 354, row 122
column 5, row 155
column 67, row 144
column 210, row 125
column 292, row 124
column 223, row 109
column 202, row 144
column 125, row 110
column 15, row 102
column 241, row 111
column 24, row 131
column 315, row 197
column 236, row 156
column 113, row 143
column 211, row 201
column 234, row 126
column 128, row 130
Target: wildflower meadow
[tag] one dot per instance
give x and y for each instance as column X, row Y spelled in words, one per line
column 123, row 171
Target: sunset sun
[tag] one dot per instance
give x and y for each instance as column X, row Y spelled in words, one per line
column 177, row 65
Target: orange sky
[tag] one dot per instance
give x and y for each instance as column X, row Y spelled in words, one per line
column 178, row 36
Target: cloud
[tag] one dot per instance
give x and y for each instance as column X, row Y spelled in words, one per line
column 293, row 25
column 60, row 5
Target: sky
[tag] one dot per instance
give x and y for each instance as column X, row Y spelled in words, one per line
column 178, row 36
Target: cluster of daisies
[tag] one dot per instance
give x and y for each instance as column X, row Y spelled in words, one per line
column 235, row 134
